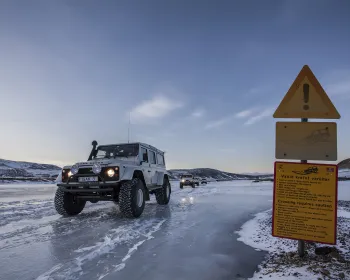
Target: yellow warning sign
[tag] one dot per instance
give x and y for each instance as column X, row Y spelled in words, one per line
column 306, row 140
column 305, row 202
column 306, row 99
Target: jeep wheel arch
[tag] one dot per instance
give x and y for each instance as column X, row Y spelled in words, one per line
column 162, row 175
column 139, row 175
column 166, row 177
column 127, row 172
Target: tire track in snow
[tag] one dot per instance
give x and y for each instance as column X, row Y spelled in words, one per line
column 136, row 233
column 39, row 228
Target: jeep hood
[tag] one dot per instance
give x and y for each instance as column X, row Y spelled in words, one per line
column 106, row 162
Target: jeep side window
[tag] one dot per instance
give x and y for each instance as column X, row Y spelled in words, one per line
column 152, row 157
column 160, row 159
column 144, row 154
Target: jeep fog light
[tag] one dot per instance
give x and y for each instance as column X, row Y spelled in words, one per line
column 96, row 168
column 110, row 172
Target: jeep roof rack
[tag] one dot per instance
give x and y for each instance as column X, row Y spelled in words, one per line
column 137, row 143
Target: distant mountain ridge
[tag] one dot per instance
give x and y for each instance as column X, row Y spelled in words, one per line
column 21, row 170
column 29, row 171
column 344, row 169
column 217, row 175
column 344, row 164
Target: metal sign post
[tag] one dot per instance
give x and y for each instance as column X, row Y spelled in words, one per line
column 301, row 243
column 302, row 191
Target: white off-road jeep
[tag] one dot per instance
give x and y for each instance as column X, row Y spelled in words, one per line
column 196, row 180
column 124, row 173
column 187, row 180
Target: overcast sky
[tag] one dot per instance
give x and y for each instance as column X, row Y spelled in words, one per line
column 201, row 79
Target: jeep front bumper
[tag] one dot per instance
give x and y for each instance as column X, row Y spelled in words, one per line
column 91, row 187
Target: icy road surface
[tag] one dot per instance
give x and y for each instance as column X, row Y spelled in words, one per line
column 191, row 238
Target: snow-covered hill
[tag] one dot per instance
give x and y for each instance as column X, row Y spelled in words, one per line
column 344, row 173
column 344, row 169
column 344, row 164
column 217, row 175
column 17, row 170
column 20, row 170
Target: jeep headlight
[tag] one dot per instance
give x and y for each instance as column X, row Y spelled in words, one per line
column 183, row 180
column 96, row 168
column 110, row 172
column 74, row 170
column 70, row 174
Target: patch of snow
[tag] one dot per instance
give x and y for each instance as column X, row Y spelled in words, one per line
column 47, row 274
column 257, row 233
column 85, row 249
column 344, row 173
column 343, row 213
column 295, row 273
column 250, row 234
column 256, row 174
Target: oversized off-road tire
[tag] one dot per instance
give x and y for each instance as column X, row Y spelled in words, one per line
column 163, row 194
column 193, row 185
column 132, row 198
column 68, row 205
column 181, row 186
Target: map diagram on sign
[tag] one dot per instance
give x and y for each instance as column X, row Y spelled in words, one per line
column 317, row 136
column 306, row 140
column 307, row 171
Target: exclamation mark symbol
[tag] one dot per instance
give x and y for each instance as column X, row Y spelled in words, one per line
column 306, row 96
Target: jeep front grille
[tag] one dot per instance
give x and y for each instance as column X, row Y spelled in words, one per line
column 85, row 171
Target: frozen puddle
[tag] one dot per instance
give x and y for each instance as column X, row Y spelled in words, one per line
column 108, row 255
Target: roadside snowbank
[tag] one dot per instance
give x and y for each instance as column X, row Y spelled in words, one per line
column 283, row 262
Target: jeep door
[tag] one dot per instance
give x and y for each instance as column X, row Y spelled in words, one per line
column 154, row 167
column 146, row 168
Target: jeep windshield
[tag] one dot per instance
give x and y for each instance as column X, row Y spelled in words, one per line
column 113, row 151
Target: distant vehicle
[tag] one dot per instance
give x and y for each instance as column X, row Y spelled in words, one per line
column 187, row 180
column 197, row 180
column 204, row 181
column 123, row 173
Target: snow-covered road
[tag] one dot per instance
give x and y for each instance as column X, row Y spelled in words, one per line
column 191, row 238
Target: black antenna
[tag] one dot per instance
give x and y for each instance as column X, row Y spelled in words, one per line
column 129, row 129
